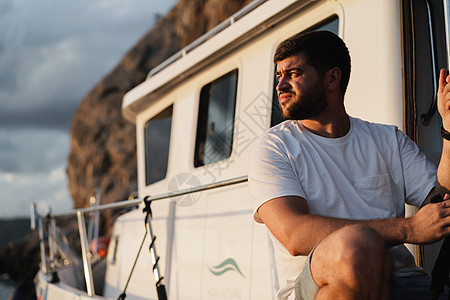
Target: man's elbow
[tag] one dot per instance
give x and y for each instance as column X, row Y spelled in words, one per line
column 295, row 248
column 295, row 252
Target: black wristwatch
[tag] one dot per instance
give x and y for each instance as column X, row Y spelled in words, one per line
column 445, row 134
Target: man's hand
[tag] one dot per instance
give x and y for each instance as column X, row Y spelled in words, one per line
column 431, row 223
column 443, row 98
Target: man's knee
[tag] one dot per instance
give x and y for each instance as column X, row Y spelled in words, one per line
column 357, row 241
column 349, row 254
column 354, row 242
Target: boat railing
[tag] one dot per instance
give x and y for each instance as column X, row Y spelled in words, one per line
column 202, row 39
column 53, row 241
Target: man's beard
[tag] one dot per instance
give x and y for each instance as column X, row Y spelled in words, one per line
column 310, row 103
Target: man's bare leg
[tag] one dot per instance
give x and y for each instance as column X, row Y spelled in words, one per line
column 352, row 263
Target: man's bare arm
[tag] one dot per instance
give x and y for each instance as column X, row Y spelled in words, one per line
column 289, row 221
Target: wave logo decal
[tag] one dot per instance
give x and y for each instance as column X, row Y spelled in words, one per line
column 227, row 265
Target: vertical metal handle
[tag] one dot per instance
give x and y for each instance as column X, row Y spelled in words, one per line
column 33, row 216
column 84, row 251
column 426, row 118
column 93, row 227
column 447, row 29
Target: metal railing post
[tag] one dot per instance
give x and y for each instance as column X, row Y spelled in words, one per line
column 51, row 253
column 53, row 234
column 96, row 225
column 51, row 250
column 42, row 245
column 33, row 216
column 85, row 255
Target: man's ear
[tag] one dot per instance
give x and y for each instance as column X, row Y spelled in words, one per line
column 332, row 79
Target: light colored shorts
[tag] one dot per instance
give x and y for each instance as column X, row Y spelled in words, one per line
column 305, row 287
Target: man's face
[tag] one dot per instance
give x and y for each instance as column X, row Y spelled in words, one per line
column 301, row 94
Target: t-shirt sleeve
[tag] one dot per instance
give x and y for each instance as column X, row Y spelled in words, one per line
column 419, row 172
column 270, row 173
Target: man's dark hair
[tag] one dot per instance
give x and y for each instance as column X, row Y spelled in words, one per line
column 322, row 49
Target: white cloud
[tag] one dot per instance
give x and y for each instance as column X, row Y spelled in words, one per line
column 45, row 189
column 45, row 74
column 8, row 177
column 32, row 150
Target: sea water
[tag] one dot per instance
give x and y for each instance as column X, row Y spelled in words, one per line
column 10, row 230
column 7, row 287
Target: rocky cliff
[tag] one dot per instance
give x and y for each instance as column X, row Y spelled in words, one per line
column 103, row 144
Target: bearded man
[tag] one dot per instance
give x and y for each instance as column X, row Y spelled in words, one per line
column 332, row 188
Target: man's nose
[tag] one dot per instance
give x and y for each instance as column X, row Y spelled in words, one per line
column 282, row 83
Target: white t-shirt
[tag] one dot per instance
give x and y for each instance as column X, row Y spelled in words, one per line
column 370, row 173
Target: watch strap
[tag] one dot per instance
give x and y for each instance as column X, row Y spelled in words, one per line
column 445, row 134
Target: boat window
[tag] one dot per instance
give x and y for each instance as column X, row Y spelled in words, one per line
column 215, row 124
column 330, row 24
column 157, row 142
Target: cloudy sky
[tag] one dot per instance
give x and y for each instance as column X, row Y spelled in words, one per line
column 52, row 52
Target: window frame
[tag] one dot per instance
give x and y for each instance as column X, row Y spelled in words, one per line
column 199, row 162
column 170, row 109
